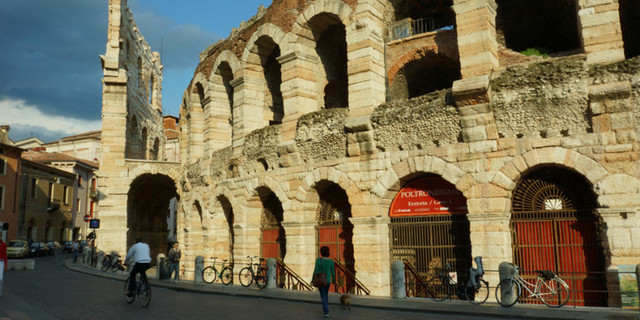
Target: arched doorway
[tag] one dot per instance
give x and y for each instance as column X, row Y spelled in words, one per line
column 335, row 231
column 48, row 232
column 273, row 243
column 429, row 228
column 554, row 227
column 147, row 210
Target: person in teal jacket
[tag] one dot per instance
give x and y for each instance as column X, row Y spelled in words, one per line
column 324, row 264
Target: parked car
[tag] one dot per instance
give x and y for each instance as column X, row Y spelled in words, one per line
column 67, row 247
column 17, row 249
column 38, row 249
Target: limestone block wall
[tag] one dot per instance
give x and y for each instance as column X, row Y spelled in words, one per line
column 492, row 127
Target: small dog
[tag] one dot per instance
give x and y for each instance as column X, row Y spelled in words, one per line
column 345, row 301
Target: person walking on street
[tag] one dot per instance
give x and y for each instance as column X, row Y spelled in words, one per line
column 3, row 262
column 75, row 251
column 141, row 256
column 324, row 265
column 174, row 256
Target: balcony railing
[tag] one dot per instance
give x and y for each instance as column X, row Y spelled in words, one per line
column 408, row 27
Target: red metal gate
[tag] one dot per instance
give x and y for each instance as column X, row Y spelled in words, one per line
column 554, row 227
column 335, row 232
column 273, row 243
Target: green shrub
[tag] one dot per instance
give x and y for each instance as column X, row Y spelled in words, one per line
column 541, row 52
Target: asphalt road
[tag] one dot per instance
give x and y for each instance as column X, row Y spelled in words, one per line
column 53, row 290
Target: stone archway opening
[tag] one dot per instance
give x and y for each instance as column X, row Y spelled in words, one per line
column 335, row 231
column 429, row 72
column 554, row 226
column 331, row 46
column 273, row 243
column 269, row 52
column 429, row 229
column 419, row 16
column 544, row 26
column 630, row 24
column 148, row 209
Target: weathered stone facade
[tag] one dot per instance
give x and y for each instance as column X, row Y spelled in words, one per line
column 505, row 116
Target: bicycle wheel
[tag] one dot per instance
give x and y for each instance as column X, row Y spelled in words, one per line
column 209, row 274
column 106, row 264
column 144, row 294
column 261, row 278
column 115, row 266
column 226, row 276
column 436, row 289
column 476, row 295
column 127, row 298
column 246, row 276
column 508, row 292
column 554, row 293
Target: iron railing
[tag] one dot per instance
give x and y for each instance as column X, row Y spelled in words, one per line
column 287, row 279
column 408, row 27
column 346, row 282
column 415, row 285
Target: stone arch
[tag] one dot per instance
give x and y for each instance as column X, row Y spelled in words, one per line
column 324, row 24
column 513, row 171
column 547, row 25
column 449, row 52
column 260, row 56
column 195, row 118
column 306, row 199
column 391, row 181
column 148, row 201
column 222, row 113
column 258, row 199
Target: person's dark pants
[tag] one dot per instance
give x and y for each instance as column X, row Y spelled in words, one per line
column 75, row 255
column 324, row 296
column 175, row 266
column 140, row 268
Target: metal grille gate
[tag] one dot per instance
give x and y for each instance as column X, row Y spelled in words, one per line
column 429, row 242
column 554, row 227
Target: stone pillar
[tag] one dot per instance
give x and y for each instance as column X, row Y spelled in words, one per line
column 397, row 274
column 477, row 44
column 490, row 237
column 299, row 89
column 472, row 97
column 301, row 247
column 272, row 272
column 371, row 253
column 601, row 31
column 365, row 63
column 360, row 136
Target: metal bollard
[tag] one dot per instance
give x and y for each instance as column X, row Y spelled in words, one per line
column 100, row 257
column 272, row 272
column 197, row 277
column 397, row 274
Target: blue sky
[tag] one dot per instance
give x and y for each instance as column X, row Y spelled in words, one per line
column 50, row 74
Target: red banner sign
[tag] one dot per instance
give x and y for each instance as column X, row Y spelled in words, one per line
column 428, row 196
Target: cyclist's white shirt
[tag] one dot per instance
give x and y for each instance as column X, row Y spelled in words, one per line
column 140, row 253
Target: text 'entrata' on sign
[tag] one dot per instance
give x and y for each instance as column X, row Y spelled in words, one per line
column 428, row 196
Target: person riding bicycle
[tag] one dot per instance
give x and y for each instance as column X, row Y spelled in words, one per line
column 141, row 256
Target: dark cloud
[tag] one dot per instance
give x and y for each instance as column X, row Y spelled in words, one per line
column 49, row 55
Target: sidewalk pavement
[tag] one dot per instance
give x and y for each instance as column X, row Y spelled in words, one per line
column 488, row 309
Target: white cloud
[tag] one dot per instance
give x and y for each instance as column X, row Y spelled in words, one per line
column 17, row 113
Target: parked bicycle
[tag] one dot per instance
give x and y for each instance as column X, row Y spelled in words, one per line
column 143, row 291
column 549, row 288
column 116, row 264
column 106, row 262
column 253, row 272
column 210, row 274
column 443, row 285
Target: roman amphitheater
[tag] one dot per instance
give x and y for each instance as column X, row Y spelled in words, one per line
column 414, row 130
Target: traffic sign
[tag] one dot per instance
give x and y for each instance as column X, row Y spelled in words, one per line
column 87, row 218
